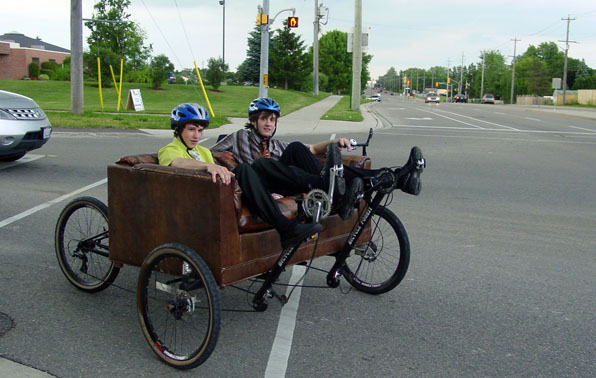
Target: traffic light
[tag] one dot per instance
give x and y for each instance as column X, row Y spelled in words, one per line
column 292, row 22
column 437, row 84
column 262, row 19
column 448, row 80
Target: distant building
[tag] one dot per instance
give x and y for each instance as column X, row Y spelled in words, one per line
column 17, row 51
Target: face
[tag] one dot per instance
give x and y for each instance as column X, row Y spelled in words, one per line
column 191, row 135
column 266, row 123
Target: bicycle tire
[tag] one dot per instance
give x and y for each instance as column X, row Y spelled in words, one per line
column 178, row 306
column 82, row 245
column 385, row 255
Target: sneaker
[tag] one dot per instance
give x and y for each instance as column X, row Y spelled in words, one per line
column 298, row 233
column 333, row 159
column 345, row 207
column 411, row 183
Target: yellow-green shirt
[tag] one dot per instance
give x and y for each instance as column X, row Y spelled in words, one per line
column 177, row 149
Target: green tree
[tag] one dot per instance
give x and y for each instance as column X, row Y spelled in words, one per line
column 531, row 77
column 124, row 37
column 107, row 58
column 335, row 61
column 216, row 72
column 289, row 65
column 160, row 69
column 250, row 68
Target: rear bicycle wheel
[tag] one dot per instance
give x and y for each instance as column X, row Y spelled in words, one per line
column 178, row 306
column 381, row 263
column 82, row 245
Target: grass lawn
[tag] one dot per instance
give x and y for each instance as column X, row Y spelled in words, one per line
column 342, row 111
column 229, row 101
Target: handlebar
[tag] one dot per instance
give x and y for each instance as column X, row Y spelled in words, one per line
column 354, row 143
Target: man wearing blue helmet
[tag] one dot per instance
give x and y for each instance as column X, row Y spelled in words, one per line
column 290, row 162
column 188, row 122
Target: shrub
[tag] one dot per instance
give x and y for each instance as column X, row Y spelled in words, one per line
column 50, row 66
column 33, row 69
column 142, row 76
column 44, row 77
column 62, row 74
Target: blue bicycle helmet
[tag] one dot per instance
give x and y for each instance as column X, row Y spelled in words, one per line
column 263, row 103
column 188, row 113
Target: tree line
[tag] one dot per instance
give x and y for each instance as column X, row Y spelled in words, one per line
column 290, row 61
column 534, row 71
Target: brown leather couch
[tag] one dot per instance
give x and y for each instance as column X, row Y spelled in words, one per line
column 149, row 205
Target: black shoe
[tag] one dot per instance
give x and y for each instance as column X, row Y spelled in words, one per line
column 345, row 207
column 333, row 159
column 298, row 233
column 411, row 183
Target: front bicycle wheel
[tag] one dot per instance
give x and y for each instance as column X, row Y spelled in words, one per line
column 381, row 263
column 82, row 245
column 178, row 306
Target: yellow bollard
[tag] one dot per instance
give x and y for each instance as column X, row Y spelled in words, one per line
column 120, row 89
column 203, row 88
column 99, row 84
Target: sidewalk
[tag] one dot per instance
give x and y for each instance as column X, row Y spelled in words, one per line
column 572, row 111
column 303, row 121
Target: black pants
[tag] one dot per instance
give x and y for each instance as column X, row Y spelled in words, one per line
column 298, row 155
column 266, row 176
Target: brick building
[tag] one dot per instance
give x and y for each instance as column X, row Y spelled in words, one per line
column 17, row 51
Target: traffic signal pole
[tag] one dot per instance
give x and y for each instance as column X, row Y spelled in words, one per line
column 357, row 55
column 265, row 22
column 264, row 68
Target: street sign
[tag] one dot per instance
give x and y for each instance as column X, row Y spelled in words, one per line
column 135, row 101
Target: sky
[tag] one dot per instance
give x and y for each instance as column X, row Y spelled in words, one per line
column 402, row 33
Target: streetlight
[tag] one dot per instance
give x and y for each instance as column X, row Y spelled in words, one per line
column 223, row 38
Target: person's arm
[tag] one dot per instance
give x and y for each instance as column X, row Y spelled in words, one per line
column 321, row 147
column 213, row 169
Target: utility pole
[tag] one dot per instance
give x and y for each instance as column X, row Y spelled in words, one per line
column 264, row 68
column 223, row 37
column 482, row 78
column 568, row 19
column 357, row 55
column 461, row 74
column 515, row 40
column 315, row 51
column 76, row 56
column 447, row 84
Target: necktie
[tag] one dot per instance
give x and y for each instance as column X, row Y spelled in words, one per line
column 264, row 150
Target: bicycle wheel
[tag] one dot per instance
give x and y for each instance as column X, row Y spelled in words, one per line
column 380, row 264
column 82, row 245
column 178, row 306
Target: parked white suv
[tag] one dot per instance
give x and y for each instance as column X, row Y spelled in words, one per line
column 23, row 126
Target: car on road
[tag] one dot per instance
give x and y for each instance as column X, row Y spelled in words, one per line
column 487, row 99
column 460, row 97
column 23, row 126
column 375, row 97
column 432, row 97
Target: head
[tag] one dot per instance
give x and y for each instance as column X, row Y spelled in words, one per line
column 263, row 113
column 188, row 122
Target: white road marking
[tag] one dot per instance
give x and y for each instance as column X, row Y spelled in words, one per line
column 25, row 159
column 37, row 208
column 532, row 119
column 282, row 345
column 581, row 128
column 456, row 120
column 421, row 119
column 479, row 120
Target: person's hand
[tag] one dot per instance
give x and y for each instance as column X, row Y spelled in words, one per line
column 217, row 170
column 276, row 196
column 344, row 143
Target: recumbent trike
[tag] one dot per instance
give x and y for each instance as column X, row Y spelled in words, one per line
column 186, row 253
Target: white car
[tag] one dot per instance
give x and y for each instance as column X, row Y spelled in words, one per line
column 432, row 97
column 375, row 97
column 23, row 126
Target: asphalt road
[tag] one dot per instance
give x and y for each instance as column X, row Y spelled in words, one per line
column 501, row 280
